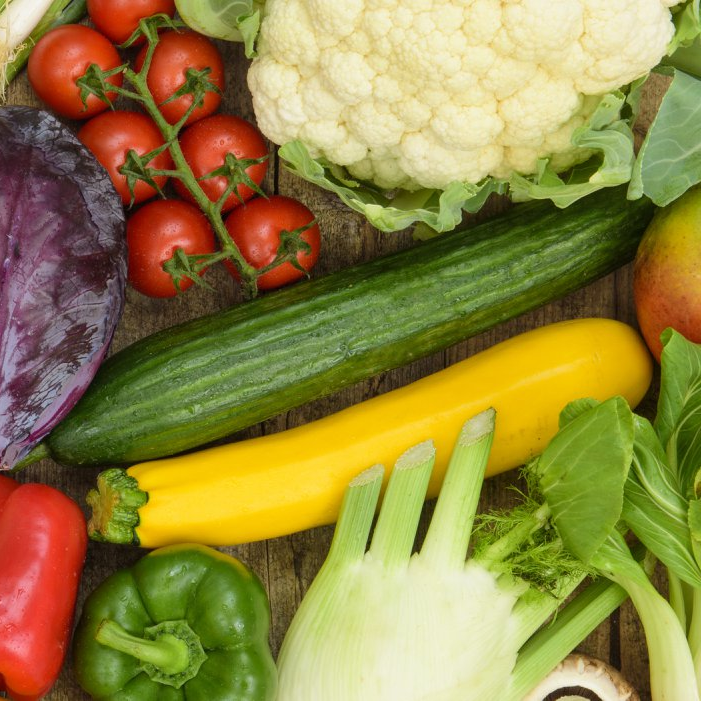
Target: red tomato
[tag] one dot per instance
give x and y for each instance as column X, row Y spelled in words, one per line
column 154, row 232
column 205, row 145
column 175, row 52
column 62, row 56
column 111, row 135
column 118, row 19
column 256, row 229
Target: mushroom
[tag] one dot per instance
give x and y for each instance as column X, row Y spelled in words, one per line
column 577, row 673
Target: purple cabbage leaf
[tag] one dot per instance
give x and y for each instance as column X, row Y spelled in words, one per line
column 62, row 280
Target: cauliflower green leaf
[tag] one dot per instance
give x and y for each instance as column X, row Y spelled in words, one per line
column 230, row 20
column 440, row 210
column 669, row 160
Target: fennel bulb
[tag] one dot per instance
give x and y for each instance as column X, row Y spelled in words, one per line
column 392, row 624
column 386, row 625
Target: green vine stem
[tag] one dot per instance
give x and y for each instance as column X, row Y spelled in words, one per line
column 197, row 84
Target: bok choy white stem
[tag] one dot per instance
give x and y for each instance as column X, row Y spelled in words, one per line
column 384, row 624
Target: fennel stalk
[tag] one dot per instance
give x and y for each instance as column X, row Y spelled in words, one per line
column 383, row 624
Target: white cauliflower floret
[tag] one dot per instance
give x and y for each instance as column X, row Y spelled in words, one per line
column 333, row 19
column 538, row 108
column 386, row 128
column 538, row 32
column 420, row 93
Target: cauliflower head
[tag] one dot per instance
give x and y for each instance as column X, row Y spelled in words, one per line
column 421, row 93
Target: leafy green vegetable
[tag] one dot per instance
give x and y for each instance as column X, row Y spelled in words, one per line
column 645, row 480
column 231, row 20
column 600, row 435
column 687, row 20
column 669, row 160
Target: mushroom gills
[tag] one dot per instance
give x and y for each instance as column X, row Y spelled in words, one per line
column 582, row 678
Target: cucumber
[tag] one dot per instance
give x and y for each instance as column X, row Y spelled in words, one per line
column 205, row 379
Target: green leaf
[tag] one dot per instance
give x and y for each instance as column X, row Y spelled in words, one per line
column 575, row 408
column 686, row 58
column 230, row 20
column 687, row 20
column 678, row 421
column 440, row 210
column 695, row 528
column 669, row 160
column 582, row 474
column 609, row 135
column 614, row 560
column 655, row 509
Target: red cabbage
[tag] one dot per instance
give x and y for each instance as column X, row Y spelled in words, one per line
column 63, row 255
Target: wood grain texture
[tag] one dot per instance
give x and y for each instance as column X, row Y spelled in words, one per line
column 288, row 565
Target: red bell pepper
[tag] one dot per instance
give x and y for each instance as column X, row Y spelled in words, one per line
column 43, row 541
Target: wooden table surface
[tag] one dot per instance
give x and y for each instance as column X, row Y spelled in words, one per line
column 287, row 565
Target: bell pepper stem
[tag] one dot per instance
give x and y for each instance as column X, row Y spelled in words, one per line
column 170, row 652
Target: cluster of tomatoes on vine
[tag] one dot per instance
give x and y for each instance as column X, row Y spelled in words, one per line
column 174, row 138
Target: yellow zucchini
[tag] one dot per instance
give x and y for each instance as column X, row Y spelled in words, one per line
column 293, row 480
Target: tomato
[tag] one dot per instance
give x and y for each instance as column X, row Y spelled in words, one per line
column 154, row 232
column 111, row 135
column 62, row 56
column 205, row 145
column 118, row 19
column 256, row 228
column 175, row 52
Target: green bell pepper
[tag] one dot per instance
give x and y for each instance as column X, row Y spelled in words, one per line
column 185, row 622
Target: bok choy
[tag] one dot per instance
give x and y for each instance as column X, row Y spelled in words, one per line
column 385, row 624
column 582, row 474
column 646, row 477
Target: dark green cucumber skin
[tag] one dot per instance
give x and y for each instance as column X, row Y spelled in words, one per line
column 206, row 379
